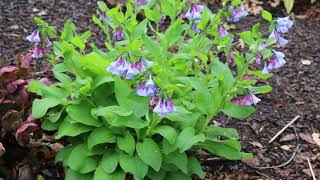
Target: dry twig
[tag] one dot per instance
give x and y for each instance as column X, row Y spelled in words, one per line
column 284, row 128
column 311, row 170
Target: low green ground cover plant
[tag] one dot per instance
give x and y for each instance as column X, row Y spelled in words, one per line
column 142, row 105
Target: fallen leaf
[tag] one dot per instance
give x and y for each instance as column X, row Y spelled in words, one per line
column 306, row 137
column 307, row 172
column 306, row 62
column 288, row 137
column 286, row 147
column 274, row 3
column 253, row 162
column 257, row 144
column 316, row 138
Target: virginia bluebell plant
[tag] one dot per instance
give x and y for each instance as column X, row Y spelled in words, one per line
column 141, row 106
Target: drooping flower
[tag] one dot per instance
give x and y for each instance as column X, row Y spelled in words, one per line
column 194, row 12
column 164, row 107
column 147, row 88
column 223, row 32
column 265, row 69
column 276, row 61
column 248, row 100
column 142, row 2
column 153, row 102
column 237, row 13
column 37, row 53
column 194, row 27
column 122, row 68
column 34, row 37
column 118, row 35
column 284, row 24
column 280, row 40
column 258, row 58
column 48, row 42
column 143, row 64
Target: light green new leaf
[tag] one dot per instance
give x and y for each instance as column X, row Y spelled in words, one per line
column 99, row 136
column 267, row 15
column 140, row 29
column 151, row 46
column 150, row 153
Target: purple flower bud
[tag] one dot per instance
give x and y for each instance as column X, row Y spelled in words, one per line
column 194, row 27
column 154, row 101
column 194, row 12
column 164, row 107
column 280, row 40
column 265, row 69
column 48, row 42
column 261, row 47
column 162, row 20
column 237, row 13
column 258, row 59
column 142, row 2
column 34, row 37
column 37, row 53
column 284, row 24
column 131, row 71
column 118, row 35
column 143, row 64
column 147, row 88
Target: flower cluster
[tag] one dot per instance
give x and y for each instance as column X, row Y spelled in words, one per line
column 194, row 14
column 142, row 2
column 237, row 13
column 39, row 50
column 277, row 59
column 249, row 99
column 118, row 35
column 128, row 70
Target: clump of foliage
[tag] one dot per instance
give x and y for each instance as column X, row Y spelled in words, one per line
column 143, row 106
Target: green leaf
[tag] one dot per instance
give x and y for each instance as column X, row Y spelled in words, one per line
column 109, row 161
column 128, row 121
column 63, row 155
column 260, row 89
column 101, row 79
column 194, row 167
column 247, row 37
column 151, row 46
column 118, row 110
column 223, row 72
column 82, row 113
column 67, row 128
column 177, row 175
column 174, row 32
column 122, row 90
column 100, row 174
column 49, row 126
column 180, row 160
column 99, row 136
column 126, row 143
column 68, row 31
column 167, row 147
column 41, row 106
column 167, row 132
column 80, row 162
column 133, row 165
column 188, row 138
column 150, row 153
column 213, row 132
column 74, row 175
column 102, row 6
column 229, row 149
column 267, row 15
column 288, row 4
column 140, row 29
column 238, row 111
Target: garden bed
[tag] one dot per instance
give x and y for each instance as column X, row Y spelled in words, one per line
column 295, row 91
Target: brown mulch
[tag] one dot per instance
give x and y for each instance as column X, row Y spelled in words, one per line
column 296, row 90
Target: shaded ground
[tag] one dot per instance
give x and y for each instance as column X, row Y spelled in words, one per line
column 296, row 91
